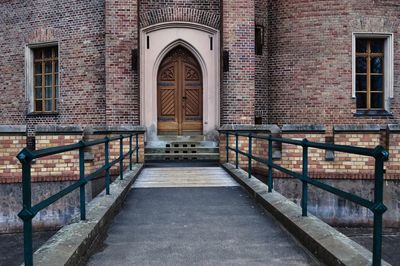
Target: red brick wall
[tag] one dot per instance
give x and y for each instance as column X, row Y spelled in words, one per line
column 78, row 26
column 238, row 85
column 261, row 70
column 197, row 11
column 122, row 93
column 310, row 62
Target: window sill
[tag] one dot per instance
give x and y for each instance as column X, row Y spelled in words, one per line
column 36, row 114
column 372, row 113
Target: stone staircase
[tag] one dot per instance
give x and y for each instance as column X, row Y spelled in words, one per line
column 181, row 149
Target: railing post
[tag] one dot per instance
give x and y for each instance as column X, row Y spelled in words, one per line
column 304, row 194
column 379, row 207
column 137, row 148
column 237, row 150
column 82, row 180
column 227, row 146
column 270, row 180
column 25, row 215
column 107, row 164
column 130, row 152
column 250, row 154
column 121, row 156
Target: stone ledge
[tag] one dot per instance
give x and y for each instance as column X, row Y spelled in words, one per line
column 293, row 128
column 114, row 129
column 394, row 128
column 357, row 128
column 74, row 243
column 13, row 129
column 58, row 129
column 324, row 242
column 269, row 128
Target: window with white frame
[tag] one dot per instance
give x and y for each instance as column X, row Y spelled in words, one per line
column 372, row 72
column 42, row 77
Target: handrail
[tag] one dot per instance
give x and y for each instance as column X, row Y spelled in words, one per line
column 26, row 157
column 378, row 153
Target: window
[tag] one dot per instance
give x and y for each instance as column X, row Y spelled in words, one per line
column 45, row 79
column 259, row 41
column 372, row 72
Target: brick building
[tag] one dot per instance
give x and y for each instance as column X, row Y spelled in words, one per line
column 325, row 70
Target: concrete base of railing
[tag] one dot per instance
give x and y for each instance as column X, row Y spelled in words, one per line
column 324, row 242
column 74, row 243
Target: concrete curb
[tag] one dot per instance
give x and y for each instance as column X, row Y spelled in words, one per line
column 327, row 244
column 74, row 243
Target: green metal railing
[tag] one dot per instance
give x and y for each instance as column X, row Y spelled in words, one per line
column 26, row 157
column 379, row 154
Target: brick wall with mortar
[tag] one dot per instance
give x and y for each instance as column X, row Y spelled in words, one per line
column 78, row 27
column 310, row 59
column 343, row 165
column 10, row 168
column 238, row 85
column 122, row 83
column 261, row 67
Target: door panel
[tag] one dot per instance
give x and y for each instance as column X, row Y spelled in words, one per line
column 180, row 94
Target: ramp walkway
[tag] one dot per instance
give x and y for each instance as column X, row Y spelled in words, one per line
column 195, row 216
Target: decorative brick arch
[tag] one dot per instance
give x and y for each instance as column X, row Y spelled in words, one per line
column 179, row 14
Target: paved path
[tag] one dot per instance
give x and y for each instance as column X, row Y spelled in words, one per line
column 196, row 226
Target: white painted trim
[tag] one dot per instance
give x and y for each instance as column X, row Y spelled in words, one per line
column 29, row 71
column 163, row 38
column 388, row 63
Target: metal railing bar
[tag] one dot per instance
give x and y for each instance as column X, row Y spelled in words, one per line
column 354, row 198
column 50, row 200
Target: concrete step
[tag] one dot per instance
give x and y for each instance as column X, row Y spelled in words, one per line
column 181, row 150
column 181, row 156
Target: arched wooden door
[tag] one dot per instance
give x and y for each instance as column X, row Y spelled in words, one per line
column 180, row 94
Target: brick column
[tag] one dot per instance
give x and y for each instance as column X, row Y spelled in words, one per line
column 238, row 88
column 122, row 83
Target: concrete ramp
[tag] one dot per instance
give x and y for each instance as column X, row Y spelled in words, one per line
column 195, row 216
column 184, row 177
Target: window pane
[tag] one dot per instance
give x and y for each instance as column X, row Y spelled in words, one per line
column 37, row 54
column 361, row 65
column 361, row 100
column 55, row 49
column 49, row 93
column 57, row 93
column 376, row 65
column 377, row 45
column 56, row 64
column 38, row 80
column 376, row 100
column 361, row 83
column 47, row 52
column 38, row 106
column 49, row 105
column 376, row 83
column 38, row 93
column 361, row 45
column 56, row 77
column 38, row 68
column 49, row 81
column 48, row 67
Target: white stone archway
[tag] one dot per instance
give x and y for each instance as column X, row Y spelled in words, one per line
column 155, row 42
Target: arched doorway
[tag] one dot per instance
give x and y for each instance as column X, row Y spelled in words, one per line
column 179, row 94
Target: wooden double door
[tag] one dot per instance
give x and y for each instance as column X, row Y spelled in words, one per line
column 180, row 94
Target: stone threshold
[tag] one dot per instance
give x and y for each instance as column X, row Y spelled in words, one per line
column 74, row 243
column 326, row 243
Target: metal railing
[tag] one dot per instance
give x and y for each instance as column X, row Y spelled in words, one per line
column 26, row 157
column 379, row 154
